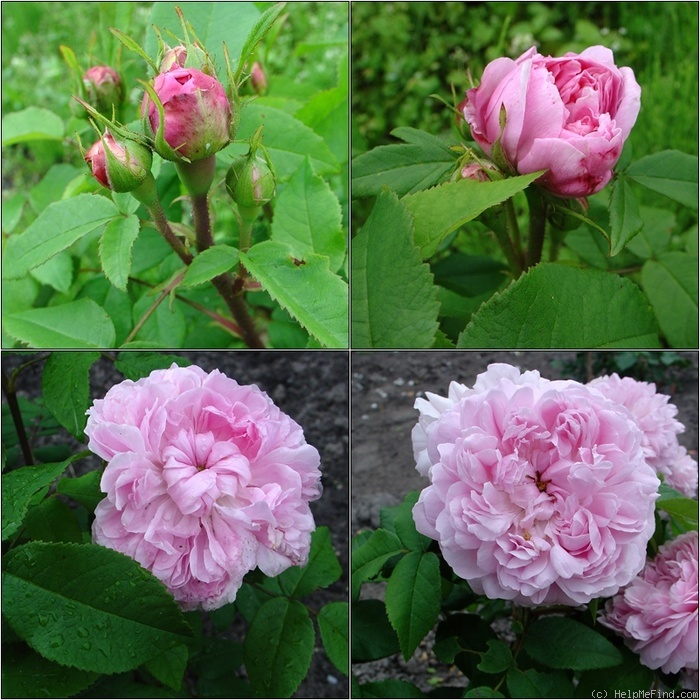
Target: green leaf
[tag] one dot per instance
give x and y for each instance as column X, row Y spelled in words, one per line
column 214, row 23
column 287, row 140
column 115, row 249
column 31, row 124
column 57, row 272
column 469, row 275
column 333, row 626
column 309, row 291
column 422, row 161
column 65, row 383
column 627, row 677
column 399, row 520
column 308, row 217
column 671, row 173
column 559, row 642
column 135, row 365
column 52, row 521
column 394, row 302
column 413, row 598
column 88, row 606
column 368, row 558
column 625, row 220
column 83, row 489
column 373, row 637
column 443, row 209
column 555, row 306
column 322, row 570
column 390, row 688
column 655, row 235
column 169, row 666
column 278, row 647
column 20, row 486
column 52, row 186
column 534, row 684
column 25, row 674
column 60, row 225
column 257, row 34
column 683, row 509
column 671, row 283
column 497, row 658
column 78, row 324
column 165, row 327
column 210, row 263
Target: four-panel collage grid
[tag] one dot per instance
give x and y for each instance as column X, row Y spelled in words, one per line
column 350, row 349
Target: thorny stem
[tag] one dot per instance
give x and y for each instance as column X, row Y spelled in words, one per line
column 224, row 283
column 156, row 211
column 8, row 388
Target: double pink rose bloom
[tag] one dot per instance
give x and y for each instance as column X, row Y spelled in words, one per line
column 206, row 480
column 568, row 115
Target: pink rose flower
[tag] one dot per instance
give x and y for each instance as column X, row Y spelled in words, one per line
column 104, row 88
column 657, row 419
column 206, row 479
column 657, row 614
column 197, row 113
column 568, row 115
column 539, row 491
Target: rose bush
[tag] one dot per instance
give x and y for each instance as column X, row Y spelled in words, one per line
column 205, row 481
column 569, row 116
column 657, row 614
column 540, row 492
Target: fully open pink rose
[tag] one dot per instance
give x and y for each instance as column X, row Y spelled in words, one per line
column 568, row 115
column 197, row 113
column 657, row 614
column 206, row 479
column 539, row 491
column 657, row 419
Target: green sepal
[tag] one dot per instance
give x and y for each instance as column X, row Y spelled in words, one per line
column 133, row 46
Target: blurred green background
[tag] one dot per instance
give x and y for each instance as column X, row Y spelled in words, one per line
column 402, row 52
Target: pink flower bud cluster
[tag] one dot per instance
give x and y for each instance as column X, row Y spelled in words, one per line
column 206, row 480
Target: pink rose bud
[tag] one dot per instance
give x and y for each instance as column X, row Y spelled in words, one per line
column 173, row 58
column 119, row 166
column 258, row 79
column 104, row 88
column 475, row 171
column 568, row 115
column 250, row 182
column 197, row 114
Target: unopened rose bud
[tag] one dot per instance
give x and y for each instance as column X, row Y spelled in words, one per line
column 173, row 58
column 250, row 182
column 475, row 171
column 104, row 88
column 197, row 114
column 258, row 79
column 119, row 166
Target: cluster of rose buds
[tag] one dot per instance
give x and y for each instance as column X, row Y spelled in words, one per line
column 187, row 115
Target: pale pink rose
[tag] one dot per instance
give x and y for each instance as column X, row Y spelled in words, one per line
column 197, row 113
column 657, row 419
column 657, row 613
column 539, row 490
column 568, row 115
column 206, row 479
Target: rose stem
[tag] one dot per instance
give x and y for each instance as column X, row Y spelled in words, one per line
column 512, row 239
column 8, row 388
column 223, row 283
column 538, row 221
